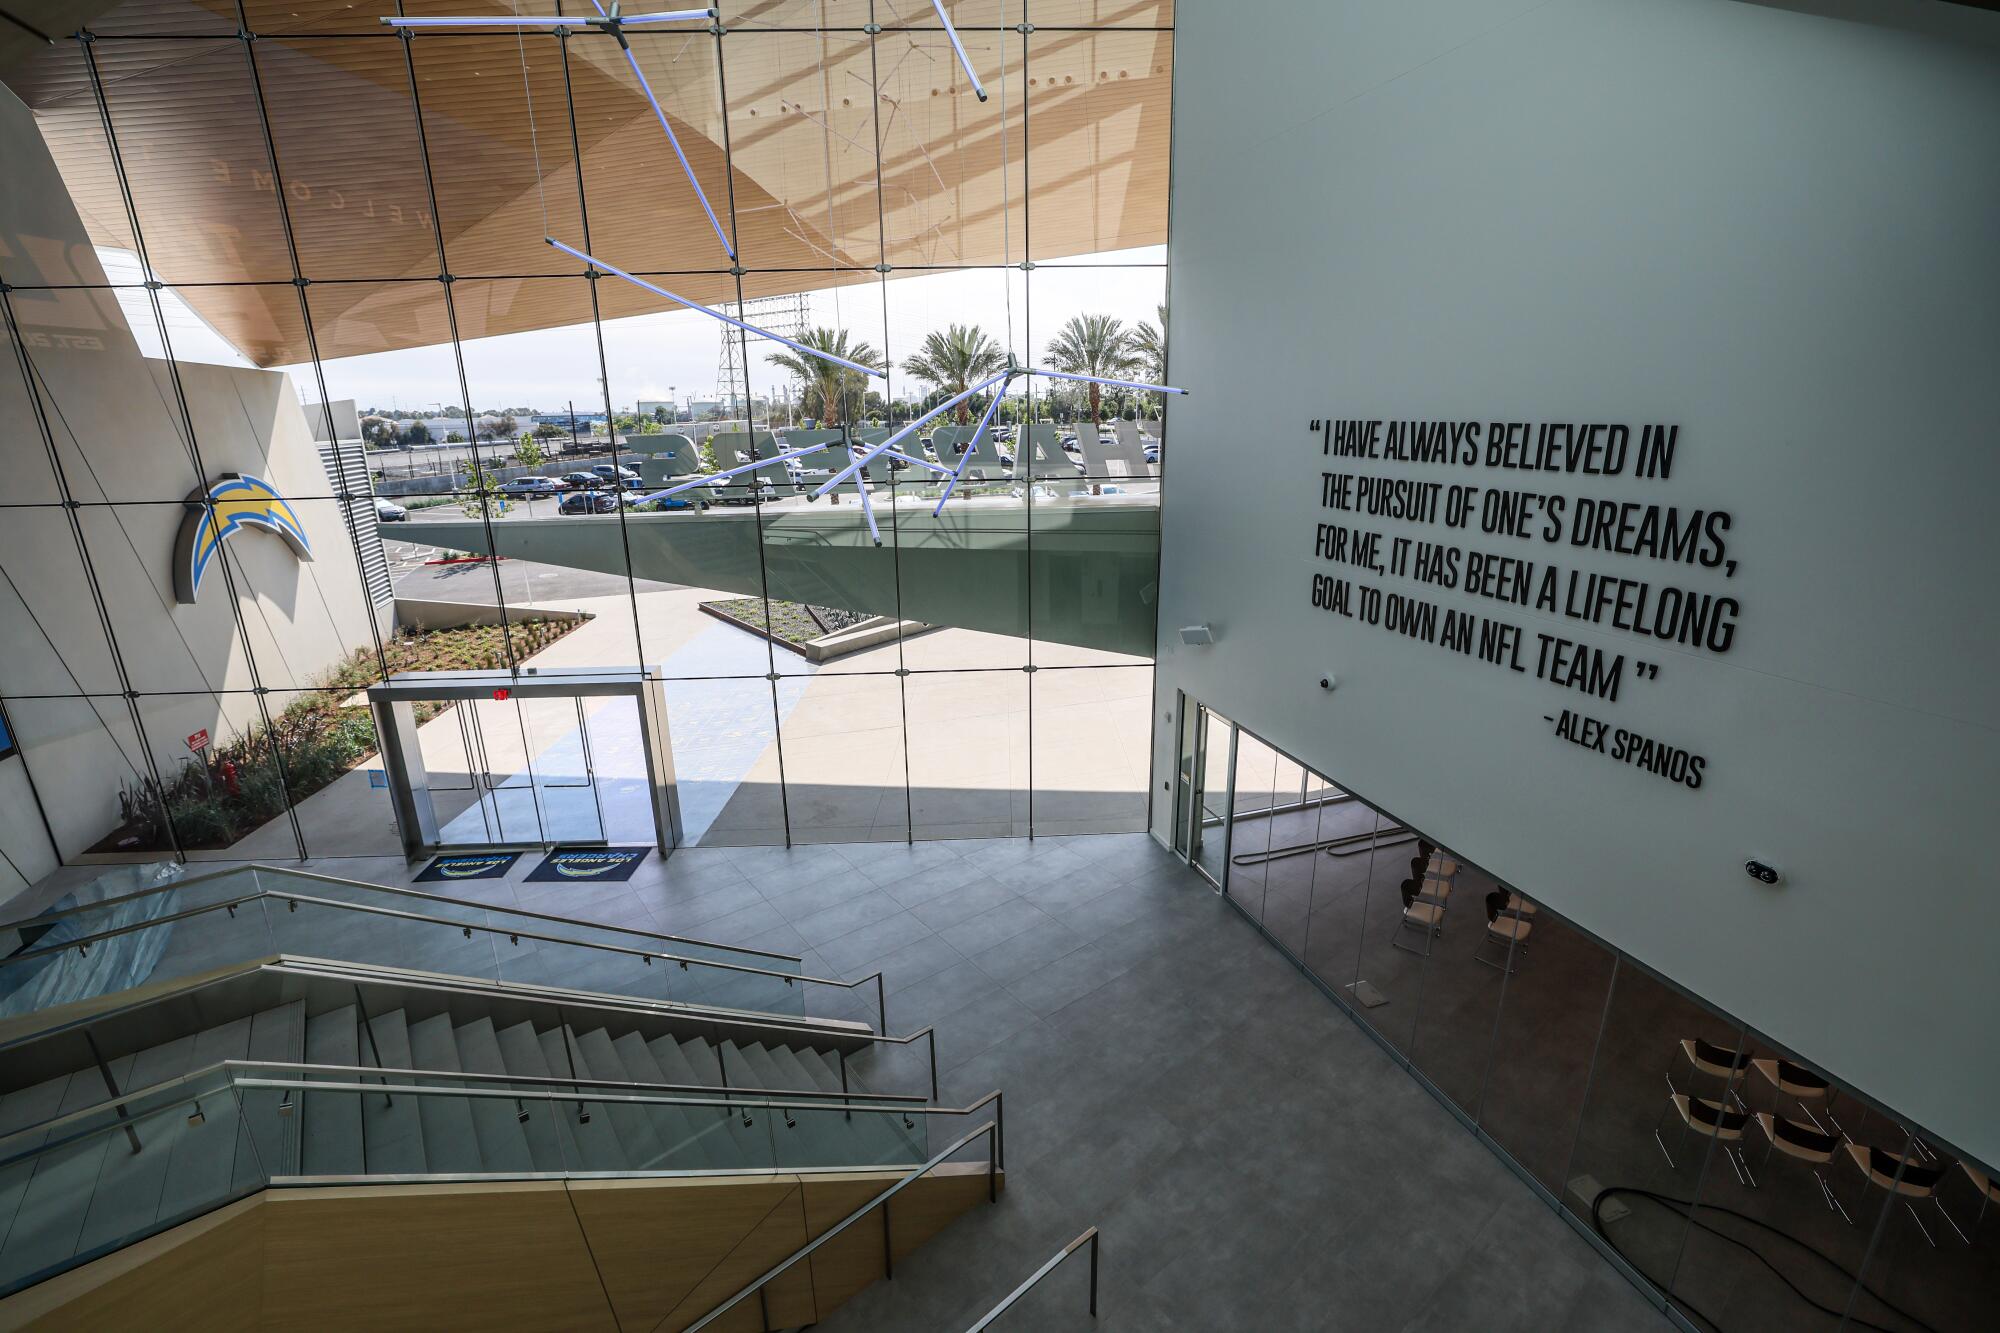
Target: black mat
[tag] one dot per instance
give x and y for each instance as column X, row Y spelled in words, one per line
column 469, row 865
column 591, row 863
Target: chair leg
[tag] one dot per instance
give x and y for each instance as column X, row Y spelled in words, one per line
column 1920, row 1223
column 1832, row 1199
column 1663, row 1120
column 1938, row 1199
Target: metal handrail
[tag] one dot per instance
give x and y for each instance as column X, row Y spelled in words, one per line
column 896, row 1100
column 1007, row 1302
column 292, row 900
column 49, row 918
column 720, row 1099
column 990, row 1128
column 596, row 1000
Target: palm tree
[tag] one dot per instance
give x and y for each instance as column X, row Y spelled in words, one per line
column 956, row 358
column 832, row 385
column 1094, row 345
column 1150, row 342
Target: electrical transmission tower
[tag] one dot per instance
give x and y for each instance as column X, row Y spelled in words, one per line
column 786, row 315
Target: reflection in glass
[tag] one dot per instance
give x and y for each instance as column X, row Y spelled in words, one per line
column 1250, row 821
column 1777, row 1246
column 1462, row 987
column 1936, row 1255
column 1661, row 1094
column 1210, row 834
column 1402, row 922
column 1542, row 1051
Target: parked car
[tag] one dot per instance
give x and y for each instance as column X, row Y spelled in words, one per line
column 606, row 471
column 388, row 511
column 581, row 481
column 530, row 486
column 588, row 502
column 665, row 503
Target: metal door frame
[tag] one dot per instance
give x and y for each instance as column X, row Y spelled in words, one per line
column 393, row 703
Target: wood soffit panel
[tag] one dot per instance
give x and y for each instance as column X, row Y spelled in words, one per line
column 1068, row 157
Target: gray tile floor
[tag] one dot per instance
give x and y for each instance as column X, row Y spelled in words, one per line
column 1254, row 1160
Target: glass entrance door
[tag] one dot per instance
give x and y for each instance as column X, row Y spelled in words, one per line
column 1208, row 829
column 488, row 759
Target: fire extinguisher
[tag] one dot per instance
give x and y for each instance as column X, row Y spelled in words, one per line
column 229, row 777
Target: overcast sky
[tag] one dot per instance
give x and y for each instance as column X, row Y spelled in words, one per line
column 649, row 355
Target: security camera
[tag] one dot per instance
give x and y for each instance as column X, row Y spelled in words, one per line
column 1757, row 870
column 1328, row 681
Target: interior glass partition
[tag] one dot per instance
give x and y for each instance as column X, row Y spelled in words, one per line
column 1735, row 1180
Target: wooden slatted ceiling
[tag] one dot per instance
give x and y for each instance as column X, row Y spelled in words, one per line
column 805, row 111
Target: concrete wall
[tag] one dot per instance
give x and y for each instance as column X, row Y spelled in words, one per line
column 128, row 455
column 1772, row 227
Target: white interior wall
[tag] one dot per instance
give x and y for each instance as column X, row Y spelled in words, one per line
column 1773, row 227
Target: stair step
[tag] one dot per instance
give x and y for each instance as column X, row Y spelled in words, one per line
column 502, row 1139
column 685, row 1148
column 546, row 1128
column 696, row 1062
column 393, row 1133
column 451, row 1144
column 823, row 1069
column 597, row 1058
column 590, row 1139
column 330, row 1122
column 48, row 1221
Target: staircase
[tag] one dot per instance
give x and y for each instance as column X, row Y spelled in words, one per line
column 336, row 1095
column 231, row 1063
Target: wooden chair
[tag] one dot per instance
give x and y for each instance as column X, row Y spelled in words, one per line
column 1906, row 1177
column 1506, row 929
column 1804, row 1087
column 1989, row 1193
column 1421, row 914
column 1699, row 1115
column 1804, row 1143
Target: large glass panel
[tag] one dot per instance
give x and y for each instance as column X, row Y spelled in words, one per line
column 844, row 761
column 967, row 568
column 1550, row 1017
column 1488, row 933
column 802, row 126
column 224, row 779
column 1254, row 786
column 1292, row 862
column 953, row 170
column 207, row 201
column 1934, row 1258
column 118, row 1163
column 1403, row 920
column 726, row 759
column 332, row 772
column 501, row 163
column 354, row 215
column 1661, row 1094
column 49, row 649
column 1092, row 738
column 1211, row 825
column 1098, row 140
column 968, row 739
column 1345, row 837
column 1782, row 1228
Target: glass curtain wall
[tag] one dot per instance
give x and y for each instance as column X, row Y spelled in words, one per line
column 326, row 191
column 1737, row 1180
